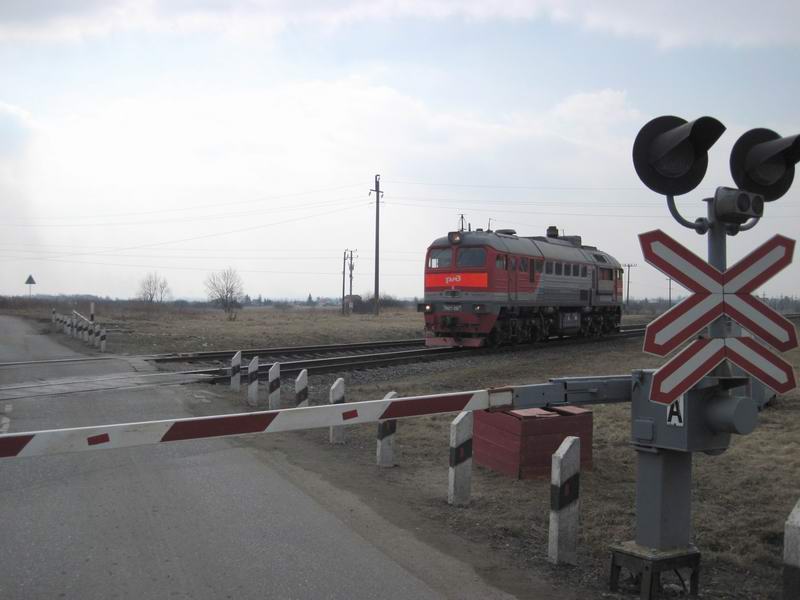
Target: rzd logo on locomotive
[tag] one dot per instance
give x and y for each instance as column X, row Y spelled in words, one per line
column 452, row 279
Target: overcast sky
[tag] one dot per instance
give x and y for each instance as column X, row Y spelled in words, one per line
column 185, row 137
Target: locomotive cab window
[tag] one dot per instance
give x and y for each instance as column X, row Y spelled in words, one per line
column 538, row 266
column 471, row 257
column 606, row 275
column 439, row 258
column 500, row 261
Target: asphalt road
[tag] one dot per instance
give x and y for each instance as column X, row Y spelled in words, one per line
column 204, row 519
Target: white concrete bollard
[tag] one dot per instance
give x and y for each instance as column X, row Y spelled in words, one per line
column 91, row 313
column 459, row 474
column 791, row 555
column 102, row 340
column 236, row 371
column 252, row 382
column 384, row 452
column 65, row 323
column 86, row 332
column 336, row 396
column 274, row 386
column 96, row 341
column 301, row 389
column 52, row 315
column 565, row 504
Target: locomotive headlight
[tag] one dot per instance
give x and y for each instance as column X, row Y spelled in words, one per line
column 454, row 237
column 428, row 308
column 479, row 308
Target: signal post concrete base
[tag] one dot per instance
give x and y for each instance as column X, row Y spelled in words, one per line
column 649, row 564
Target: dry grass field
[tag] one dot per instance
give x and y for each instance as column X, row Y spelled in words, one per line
column 741, row 498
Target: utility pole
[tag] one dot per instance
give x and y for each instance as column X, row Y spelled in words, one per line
column 351, row 275
column 344, row 263
column 628, row 292
column 378, row 195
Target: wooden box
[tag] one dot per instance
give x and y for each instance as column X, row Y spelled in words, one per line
column 521, row 443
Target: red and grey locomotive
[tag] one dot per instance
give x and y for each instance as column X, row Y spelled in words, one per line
column 493, row 287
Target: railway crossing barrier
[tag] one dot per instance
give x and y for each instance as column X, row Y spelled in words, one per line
column 565, row 475
column 301, row 389
column 336, row 397
column 791, row 555
column 236, row 371
column 78, row 326
column 384, row 452
column 274, row 386
column 252, row 382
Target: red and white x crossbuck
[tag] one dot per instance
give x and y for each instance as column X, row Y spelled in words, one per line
column 714, row 294
column 56, row 441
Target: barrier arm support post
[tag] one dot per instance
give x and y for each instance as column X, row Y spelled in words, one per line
column 384, row 452
column 565, row 481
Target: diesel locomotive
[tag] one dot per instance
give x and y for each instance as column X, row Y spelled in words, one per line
column 495, row 287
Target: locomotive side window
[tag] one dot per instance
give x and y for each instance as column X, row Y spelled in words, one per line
column 548, row 267
column 538, row 265
column 471, row 257
column 440, row 258
column 512, row 264
column 606, row 275
column 576, row 271
column 559, row 268
column 583, row 271
column 523, row 265
column 500, row 261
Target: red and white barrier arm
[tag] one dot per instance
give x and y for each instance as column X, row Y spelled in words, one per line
column 78, row 439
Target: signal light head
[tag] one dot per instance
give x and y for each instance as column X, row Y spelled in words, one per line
column 670, row 155
column 762, row 161
column 454, row 237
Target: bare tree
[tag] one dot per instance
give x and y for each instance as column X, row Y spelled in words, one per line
column 154, row 288
column 225, row 289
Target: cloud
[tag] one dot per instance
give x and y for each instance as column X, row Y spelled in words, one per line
column 731, row 23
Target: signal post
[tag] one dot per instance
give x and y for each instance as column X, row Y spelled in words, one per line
column 702, row 395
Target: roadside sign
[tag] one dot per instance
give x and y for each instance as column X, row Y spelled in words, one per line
column 715, row 293
column 30, row 280
column 675, row 413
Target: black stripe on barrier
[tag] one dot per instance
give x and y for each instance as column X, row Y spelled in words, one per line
column 565, row 494
column 235, row 369
column 302, row 395
column 252, row 376
column 275, row 384
column 387, row 428
column 461, row 453
column 339, row 401
column 102, row 337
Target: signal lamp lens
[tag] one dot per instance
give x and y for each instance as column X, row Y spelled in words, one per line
column 743, row 202
column 758, row 205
